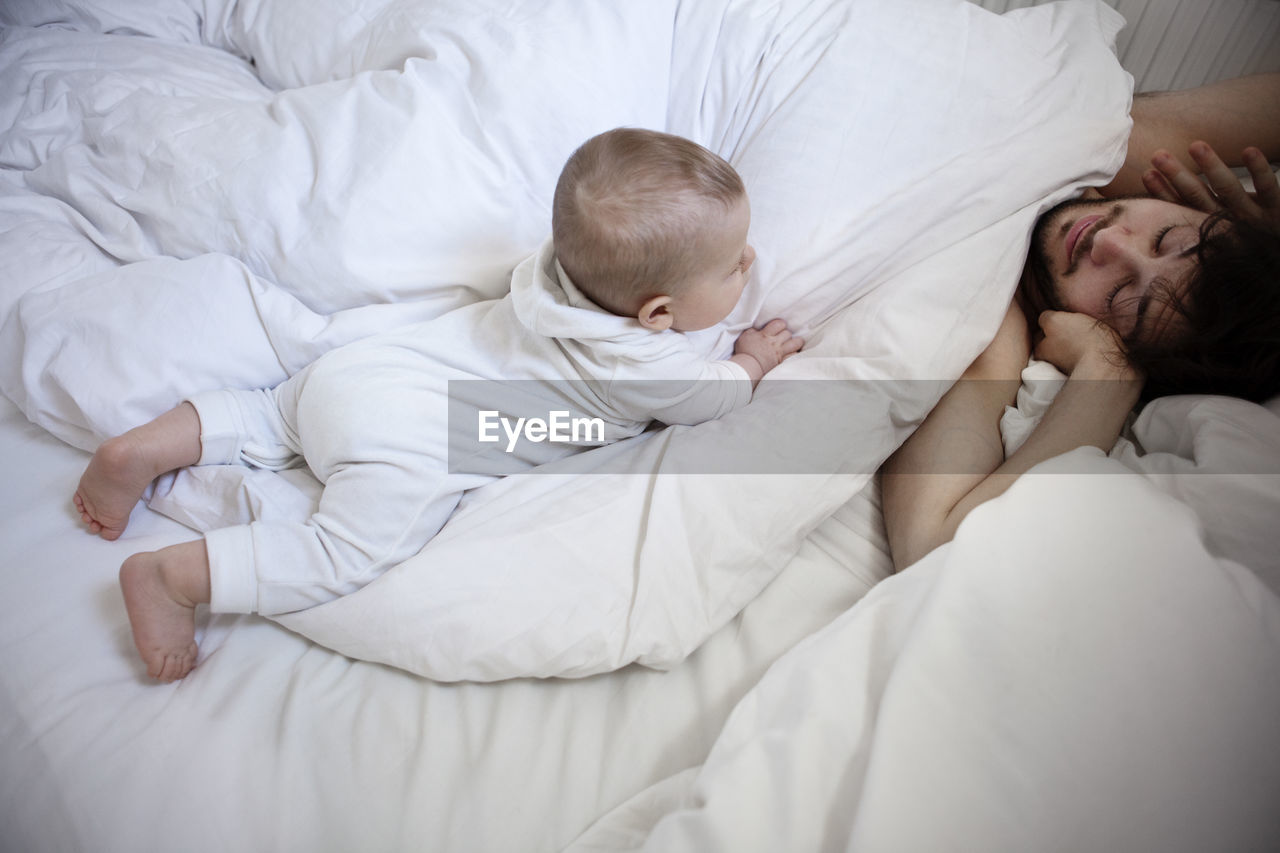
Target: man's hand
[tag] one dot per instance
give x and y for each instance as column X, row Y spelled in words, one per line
column 1071, row 340
column 1171, row 181
column 1230, row 115
column 767, row 347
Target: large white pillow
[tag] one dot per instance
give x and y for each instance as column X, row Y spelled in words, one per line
column 897, row 250
column 896, row 154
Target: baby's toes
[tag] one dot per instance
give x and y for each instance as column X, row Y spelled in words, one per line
column 162, row 666
column 174, row 666
column 86, row 517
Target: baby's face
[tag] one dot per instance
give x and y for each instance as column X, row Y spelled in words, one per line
column 715, row 287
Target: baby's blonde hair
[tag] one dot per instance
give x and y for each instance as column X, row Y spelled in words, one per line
column 630, row 208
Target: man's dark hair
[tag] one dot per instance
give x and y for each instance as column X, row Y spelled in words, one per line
column 1229, row 338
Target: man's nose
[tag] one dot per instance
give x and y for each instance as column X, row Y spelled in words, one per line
column 1112, row 243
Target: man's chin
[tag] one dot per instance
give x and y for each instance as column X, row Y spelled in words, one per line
column 1038, row 285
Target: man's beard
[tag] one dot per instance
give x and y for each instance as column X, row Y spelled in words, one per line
column 1038, row 288
column 1042, row 233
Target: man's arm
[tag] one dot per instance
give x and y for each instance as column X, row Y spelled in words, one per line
column 955, row 450
column 1229, row 115
column 955, row 461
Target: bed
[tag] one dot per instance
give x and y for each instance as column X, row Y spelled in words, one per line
column 691, row 640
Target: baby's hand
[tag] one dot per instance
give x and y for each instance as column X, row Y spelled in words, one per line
column 769, row 345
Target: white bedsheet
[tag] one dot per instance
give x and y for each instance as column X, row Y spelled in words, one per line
column 896, row 155
column 276, row 743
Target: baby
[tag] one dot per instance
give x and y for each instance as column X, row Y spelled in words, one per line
column 649, row 239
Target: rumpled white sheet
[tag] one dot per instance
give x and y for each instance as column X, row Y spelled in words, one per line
column 174, row 218
column 1218, row 455
column 277, row 743
column 1101, row 681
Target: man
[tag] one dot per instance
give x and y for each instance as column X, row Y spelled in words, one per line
column 1127, row 290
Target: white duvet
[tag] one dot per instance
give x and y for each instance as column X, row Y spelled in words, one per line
column 1101, row 682
column 216, row 195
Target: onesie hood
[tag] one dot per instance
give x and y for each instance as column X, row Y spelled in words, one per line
column 547, row 302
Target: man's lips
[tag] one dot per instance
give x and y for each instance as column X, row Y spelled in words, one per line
column 1077, row 230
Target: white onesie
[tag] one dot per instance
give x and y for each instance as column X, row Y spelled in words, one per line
column 371, row 421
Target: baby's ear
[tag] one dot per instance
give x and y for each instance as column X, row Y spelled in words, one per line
column 655, row 314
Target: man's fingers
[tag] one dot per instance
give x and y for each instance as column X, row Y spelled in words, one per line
column 1157, row 186
column 1190, row 189
column 1265, row 186
column 1224, row 183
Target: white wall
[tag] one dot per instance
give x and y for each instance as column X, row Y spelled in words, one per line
column 1176, row 44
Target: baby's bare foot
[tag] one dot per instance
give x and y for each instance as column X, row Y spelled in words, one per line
column 163, row 621
column 113, row 482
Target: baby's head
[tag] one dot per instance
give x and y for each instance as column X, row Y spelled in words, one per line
column 653, row 226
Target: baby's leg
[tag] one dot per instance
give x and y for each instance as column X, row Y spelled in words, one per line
column 161, row 591
column 124, row 466
column 372, row 424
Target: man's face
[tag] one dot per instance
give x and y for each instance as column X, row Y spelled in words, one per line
column 1119, row 260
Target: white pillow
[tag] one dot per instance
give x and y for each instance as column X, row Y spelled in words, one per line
column 898, row 251
column 897, row 155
